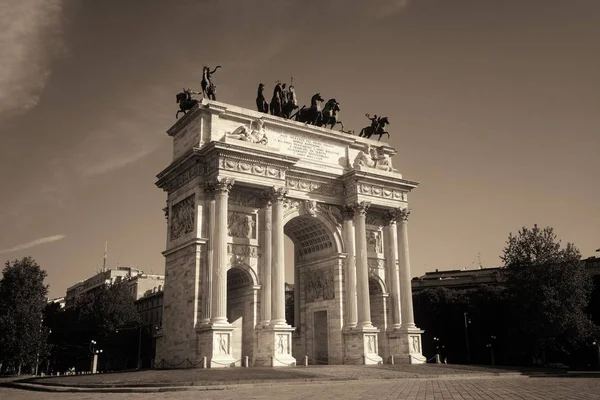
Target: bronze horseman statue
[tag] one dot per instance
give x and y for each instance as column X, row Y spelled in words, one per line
column 209, row 89
column 186, row 101
column 377, row 127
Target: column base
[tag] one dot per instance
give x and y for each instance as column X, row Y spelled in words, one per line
column 274, row 347
column 360, row 346
column 405, row 345
column 214, row 343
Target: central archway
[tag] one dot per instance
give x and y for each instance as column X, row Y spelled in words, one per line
column 318, row 295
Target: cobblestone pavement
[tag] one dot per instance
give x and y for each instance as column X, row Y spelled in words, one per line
column 433, row 388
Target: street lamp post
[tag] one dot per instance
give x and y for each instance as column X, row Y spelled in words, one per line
column 467, row 321
column 95, row 353
column 597, row 344
column 491, row 346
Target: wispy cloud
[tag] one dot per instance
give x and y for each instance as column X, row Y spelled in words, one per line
column 33, row 243
column 29, row 39
column 116, row 162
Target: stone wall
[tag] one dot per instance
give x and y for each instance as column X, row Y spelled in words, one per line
column 182, row 278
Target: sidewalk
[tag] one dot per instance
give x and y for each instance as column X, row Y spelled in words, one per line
column 228, row 378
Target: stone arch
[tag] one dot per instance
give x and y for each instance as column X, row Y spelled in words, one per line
column 241, row 310
column 242, row 266
column 376, row 285
column 315, row 219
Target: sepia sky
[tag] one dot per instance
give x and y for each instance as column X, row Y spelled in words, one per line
column 494, row 107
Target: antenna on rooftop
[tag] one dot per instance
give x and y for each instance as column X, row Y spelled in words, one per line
column 105, row 256
column 479, row 260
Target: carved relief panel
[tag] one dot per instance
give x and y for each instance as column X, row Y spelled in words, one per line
column 182, row 220
column 374, row 241
column 319, row 285
column 241, row 225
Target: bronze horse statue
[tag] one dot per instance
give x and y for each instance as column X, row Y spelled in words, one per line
column 313, row 114
column 261, row 103
column 329, row 114
column 186, row 101
column 209, row 89
column 376, row 128
column 277, row 100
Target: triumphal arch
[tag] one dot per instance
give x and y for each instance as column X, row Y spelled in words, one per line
column 239, row 182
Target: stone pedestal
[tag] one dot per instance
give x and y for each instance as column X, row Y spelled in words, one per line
column 274, row 347
column 406, row 347
column 214, row 343
column 360, row 346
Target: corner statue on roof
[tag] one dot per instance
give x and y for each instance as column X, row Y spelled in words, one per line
column 209, row 89
column 186, row 101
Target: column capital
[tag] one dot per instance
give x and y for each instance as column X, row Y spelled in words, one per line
column 361, row 207
column 223, row 185
column 347, row 212
column 277, row 193
column 397, row 215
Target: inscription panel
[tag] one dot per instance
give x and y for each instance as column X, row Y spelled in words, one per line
column 308, row 148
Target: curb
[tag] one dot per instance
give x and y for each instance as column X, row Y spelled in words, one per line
column 21, row 385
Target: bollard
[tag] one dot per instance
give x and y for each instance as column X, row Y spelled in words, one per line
column 204, row 362
column 246, row 362
column 392, row 359
column 306, row 361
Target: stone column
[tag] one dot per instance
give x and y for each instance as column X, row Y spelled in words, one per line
column 207, row 278
column 219, row 300
column 391, row 244
column 278, row 259
column 408, row 319
column 265, row 301
column 362, row 267
column 350, row 268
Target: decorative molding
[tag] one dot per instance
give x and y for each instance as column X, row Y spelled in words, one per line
column 252, row 167
column 246, row 199
column 328, row 188
column 378, row 191
column 184, row 177
column 241, row 225
column 242, row 250
column 319, row 285
column 374, row 241
column 182, row 221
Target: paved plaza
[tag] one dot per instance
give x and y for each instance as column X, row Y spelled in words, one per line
column 499, row 387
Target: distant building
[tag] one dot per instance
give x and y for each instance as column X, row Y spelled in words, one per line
column 58, row 300
column 150, row 308
column 139, row 283
column 470, row 278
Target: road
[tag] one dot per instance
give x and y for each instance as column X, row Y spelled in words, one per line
column 506, row 388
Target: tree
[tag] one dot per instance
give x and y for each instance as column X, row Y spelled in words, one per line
column 549, row 290
column 107, row 309
column 22, row 301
